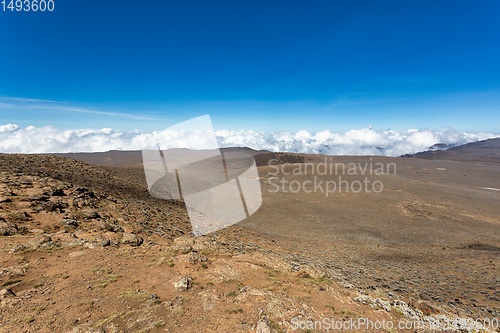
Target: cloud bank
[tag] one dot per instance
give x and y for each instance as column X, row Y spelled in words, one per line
column 365, row 141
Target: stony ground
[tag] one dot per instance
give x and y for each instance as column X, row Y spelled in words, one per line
column 85, row 249
column 432, row 235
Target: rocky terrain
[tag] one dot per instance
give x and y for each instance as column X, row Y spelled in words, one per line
column 87, row 249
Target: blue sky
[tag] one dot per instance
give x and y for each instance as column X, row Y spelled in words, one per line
column 262, row 65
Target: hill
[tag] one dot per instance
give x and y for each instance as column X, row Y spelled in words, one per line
column 487, row 151
column 131, row 157
column 85, row 248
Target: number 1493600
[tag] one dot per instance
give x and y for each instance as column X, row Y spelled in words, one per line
column 28, row 5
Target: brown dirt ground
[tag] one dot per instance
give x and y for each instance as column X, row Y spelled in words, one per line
column 431, row 239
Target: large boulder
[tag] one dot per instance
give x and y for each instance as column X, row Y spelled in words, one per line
column 131, row 239
column 69, row 223
column 39, row 241
column 99, row 241
column 9, row 229
column 263, row 326
column 183, row 284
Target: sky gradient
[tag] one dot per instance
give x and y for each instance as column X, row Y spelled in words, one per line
column 254, row 65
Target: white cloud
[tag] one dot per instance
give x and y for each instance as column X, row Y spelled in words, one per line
column 365, row 141
column 29, row 100
column 24, row 104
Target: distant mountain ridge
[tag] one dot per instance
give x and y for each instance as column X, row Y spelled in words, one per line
column 486, row 151
column 133, row 157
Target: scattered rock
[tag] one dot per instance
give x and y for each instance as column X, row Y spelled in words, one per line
column 263, row 326
column 194, row 257
column 90, row 214
column 209, row 301
column 84, row 192
column 183, row 284
column 408, row 312
column 59, row 192
column 178, row 300
column 69, row 223
column 5, row 199
column 202, row 243
column 66, row 238
column 303, row 274
column 346, row 285
column 6, row 191
column 107, row 227
column 9, row 229
column 184, row 240
column 131, row 239
column 19, row 217
column 243, row 289
column 18, row 248
column 13, row 271
column 38, row 197
column 374, row 302
column 99, row 241
column 6, row 293
column 153, row 299
column 76, row 254
column 184, row 248
column 25, row 181
column 54, row 206
column 39, row 240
